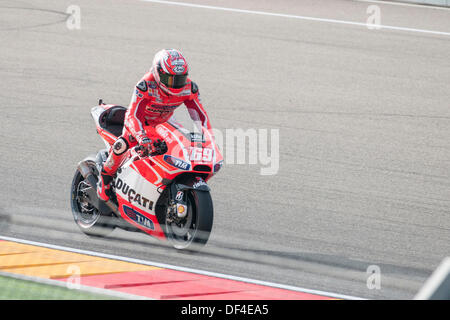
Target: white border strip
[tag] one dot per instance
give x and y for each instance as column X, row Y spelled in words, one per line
column 353, row 23
column 407, row 4
column 62, row 284
column 196, row 271
column 437, row 284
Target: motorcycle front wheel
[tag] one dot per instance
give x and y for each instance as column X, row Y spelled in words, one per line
column 193, row 231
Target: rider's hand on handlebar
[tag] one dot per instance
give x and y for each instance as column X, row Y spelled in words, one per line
column 154, row 148
column 145, row 145
column 146, row 142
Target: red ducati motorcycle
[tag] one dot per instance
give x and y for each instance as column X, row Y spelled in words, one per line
column 164, row 194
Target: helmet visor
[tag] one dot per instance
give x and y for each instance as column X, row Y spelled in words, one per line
column 173, row 81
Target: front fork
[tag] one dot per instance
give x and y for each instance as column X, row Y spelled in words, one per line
column 177, row 209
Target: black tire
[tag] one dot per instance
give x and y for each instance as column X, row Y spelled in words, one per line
column 88, row 219
column 200, row 210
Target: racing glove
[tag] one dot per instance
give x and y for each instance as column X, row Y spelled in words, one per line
column 145, row 142
column 160, row 146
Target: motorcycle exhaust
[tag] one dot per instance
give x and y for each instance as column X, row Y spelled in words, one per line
column 87, row 174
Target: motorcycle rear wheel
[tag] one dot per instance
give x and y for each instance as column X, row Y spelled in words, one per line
column 87, row 217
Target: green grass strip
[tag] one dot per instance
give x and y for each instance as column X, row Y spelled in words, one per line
column 15, row 289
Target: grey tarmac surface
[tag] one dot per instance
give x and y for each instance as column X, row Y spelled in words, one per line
column 363, row 118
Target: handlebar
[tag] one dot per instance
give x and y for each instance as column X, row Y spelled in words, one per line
column 158, row 147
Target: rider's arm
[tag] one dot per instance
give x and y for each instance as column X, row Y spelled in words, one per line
column 195, row 108
column 135, row 111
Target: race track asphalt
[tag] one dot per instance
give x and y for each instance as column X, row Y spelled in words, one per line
column 363, row 118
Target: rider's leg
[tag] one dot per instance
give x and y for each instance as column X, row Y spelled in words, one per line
column 115, row 158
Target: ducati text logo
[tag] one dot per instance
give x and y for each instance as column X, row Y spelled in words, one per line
column 139, row 218
column 132, row 196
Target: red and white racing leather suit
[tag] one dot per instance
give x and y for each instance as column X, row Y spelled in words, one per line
column 149, row 107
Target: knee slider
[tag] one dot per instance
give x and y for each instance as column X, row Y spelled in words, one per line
column 120, row 146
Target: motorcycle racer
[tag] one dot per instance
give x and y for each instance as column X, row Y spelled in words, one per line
column 156, row 96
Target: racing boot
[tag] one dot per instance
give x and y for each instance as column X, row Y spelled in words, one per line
column 110, row 166
column 104, row 186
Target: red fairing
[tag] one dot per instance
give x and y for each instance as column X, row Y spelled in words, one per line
column 140, row 182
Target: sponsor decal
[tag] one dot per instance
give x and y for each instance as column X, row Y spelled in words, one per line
column 179, row 69
column 178, row 62
column 164, row 107
column 174, row 54
column 181, row 210
column 138, row 218
column 131, row 195
column 177, row 163
column 152, row 84
column 152, row 109
column 197, row 137
column 199, row 183
column 142, row 86
column 179, row 196
column 152, row 92
column 164, row 134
